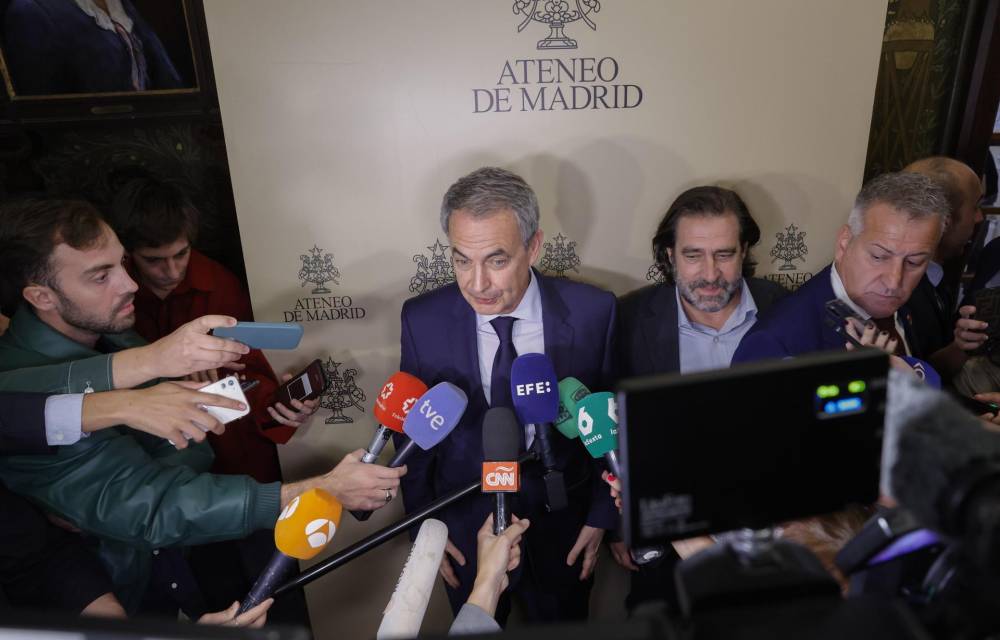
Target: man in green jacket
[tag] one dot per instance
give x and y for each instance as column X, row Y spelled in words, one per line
column 61, row 267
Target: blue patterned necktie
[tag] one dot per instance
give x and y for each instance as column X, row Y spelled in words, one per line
column 502, row 362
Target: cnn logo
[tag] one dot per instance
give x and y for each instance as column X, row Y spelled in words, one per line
column 501, row 476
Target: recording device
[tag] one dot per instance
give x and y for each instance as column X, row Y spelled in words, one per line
column 308, row 384
column 263, row 335
column 229, row 387
column 501, row 471
column 432, row 418
column 398, row 395
column 597, row 424
column 429, row 421
column 838, row 314
column 987, row 303
column 779, row 452
column 947, row 473
column 977, row 407
column 534, row 389
column 304, row 528
column 405, row 612
column 247, row 385
column 571, row 392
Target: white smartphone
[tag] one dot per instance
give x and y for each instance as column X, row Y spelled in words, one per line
column 229, row 387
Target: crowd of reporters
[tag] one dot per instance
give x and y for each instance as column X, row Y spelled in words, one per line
column 122, row 496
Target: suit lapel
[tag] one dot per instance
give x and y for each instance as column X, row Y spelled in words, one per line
column 659, row 330
column 465, row 346
column 555, row 322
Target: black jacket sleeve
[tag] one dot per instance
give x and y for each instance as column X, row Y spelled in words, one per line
column 22, row 423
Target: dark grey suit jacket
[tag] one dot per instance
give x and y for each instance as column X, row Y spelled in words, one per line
column 647, row 326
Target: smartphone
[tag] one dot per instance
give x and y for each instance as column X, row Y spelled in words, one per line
column 987, row 303
column 306, row 385
column 229, row 387
column 247, row 385
column 838, row 313
column 263, row 335
column 978, row 407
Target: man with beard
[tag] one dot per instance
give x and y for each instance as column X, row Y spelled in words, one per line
column 694, row 320
column 61, row 269
column 881, row 254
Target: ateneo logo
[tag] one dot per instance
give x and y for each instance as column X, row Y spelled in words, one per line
column 501, row 476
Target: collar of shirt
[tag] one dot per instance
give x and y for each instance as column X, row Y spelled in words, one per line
column 529, row 310
column 744, row 312
column 104, row 20
column 841, row 293
column 935, row 273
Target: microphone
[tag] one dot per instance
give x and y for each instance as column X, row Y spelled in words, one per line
column 571, row 392
column 947, row 473
column 434, row 415
column 597, row 423
column 429, row 421
column 501, row 472
column 405, row 612
column 398, row 395
column 304, row 528
column 534, row 389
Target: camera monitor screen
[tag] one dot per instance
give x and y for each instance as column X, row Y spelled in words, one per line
column 750, row 446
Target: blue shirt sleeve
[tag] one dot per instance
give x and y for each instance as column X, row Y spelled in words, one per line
column 64, row 419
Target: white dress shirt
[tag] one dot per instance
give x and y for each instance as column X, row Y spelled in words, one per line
column 841, row 293
column 528, row 332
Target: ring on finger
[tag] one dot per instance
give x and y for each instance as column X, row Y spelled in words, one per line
column 388, row 496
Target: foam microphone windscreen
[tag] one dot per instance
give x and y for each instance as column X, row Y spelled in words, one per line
column 405, row 612
column 534, row 389
column 397, row 397
column 435, row 414
column 307, row 524
column 501, row 435
column 939, row 445
column 571, row 392
column 597, row 422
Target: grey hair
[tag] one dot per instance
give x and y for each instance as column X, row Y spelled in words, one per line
column 491, row 189
column 916, row 195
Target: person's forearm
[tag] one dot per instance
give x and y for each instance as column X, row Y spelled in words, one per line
column 485, row 595
column 106, row 409
column 133, row 367
column 291, row 489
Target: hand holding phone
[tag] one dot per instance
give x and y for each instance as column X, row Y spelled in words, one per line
column 230, row 388
column 308, row 384
column 838, row 314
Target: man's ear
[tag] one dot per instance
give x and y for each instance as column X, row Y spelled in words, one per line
column 40, row 297
column 535, row 246
column 844, row 237
column 670, row 255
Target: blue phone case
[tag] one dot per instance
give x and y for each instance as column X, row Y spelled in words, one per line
column 263, row 335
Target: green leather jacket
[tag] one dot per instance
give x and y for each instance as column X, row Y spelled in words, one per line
column 133, row 491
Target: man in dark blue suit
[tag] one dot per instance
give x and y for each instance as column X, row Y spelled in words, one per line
column 880, row 256
column 468, row 333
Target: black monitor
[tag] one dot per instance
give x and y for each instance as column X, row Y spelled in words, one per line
column 750, row 446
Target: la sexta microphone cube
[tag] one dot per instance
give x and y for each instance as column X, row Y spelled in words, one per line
column 501, row 477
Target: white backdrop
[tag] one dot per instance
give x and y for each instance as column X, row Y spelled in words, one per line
column 346, row 121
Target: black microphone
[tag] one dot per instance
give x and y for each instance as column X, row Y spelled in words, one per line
column 501, row 471
column 947, row 473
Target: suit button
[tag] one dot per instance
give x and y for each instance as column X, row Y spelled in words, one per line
column 173, row 585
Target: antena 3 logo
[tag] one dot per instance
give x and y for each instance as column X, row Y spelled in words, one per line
column 316, row 272
column 557, row 83
column 501, row 477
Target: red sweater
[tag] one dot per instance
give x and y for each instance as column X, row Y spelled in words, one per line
column 248, row 445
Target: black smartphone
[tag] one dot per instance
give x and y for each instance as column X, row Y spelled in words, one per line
column 837, row 315
column 978, row 407
column 306, row 385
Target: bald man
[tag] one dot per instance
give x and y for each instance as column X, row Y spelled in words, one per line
column 941, row 336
